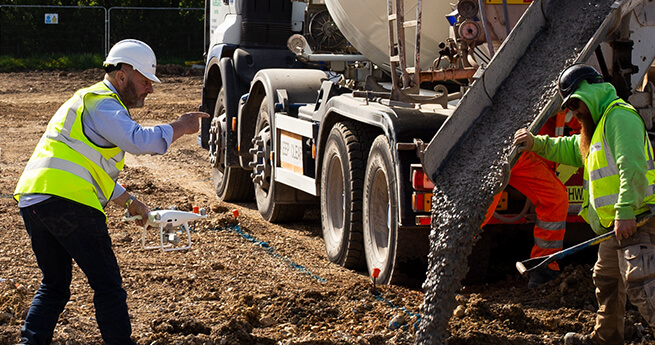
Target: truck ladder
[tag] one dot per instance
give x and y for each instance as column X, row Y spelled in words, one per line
column 397, row 47
column 405, row 86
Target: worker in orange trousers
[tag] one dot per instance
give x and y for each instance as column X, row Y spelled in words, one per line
column 535, row 178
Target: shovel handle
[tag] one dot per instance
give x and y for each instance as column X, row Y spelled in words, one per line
column 541, row 261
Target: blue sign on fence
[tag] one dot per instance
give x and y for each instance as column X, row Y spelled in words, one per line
column 52, row 18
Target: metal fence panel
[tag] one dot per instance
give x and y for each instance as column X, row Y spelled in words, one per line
column 32, row 31
column 170, row 32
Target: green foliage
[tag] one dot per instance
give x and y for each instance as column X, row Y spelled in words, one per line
column 9, row 64
column 109, row 3
column 65, row 62
column 172, row 33
column 51, row 62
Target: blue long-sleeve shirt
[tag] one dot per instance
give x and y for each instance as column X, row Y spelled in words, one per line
column 109, row 124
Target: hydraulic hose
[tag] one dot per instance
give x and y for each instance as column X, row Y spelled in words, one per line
column 516, row 218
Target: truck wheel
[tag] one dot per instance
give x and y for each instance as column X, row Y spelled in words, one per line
column 400, row 255
column 263, row 179
column 341, row 194
column 230, row 183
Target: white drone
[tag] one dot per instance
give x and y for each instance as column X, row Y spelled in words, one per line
column 168, row 222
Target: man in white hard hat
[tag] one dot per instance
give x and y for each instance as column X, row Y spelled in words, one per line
column 71, row 177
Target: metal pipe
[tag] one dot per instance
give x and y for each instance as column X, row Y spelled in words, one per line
column 417, row 62
column 106, row 32
column 334, row 57
column 506, row 16
column 400, row 29
column 447, row 74
column 486, row 28
column 392, row 48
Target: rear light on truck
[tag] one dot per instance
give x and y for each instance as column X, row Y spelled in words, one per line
column 421, row 202
column 420, row 180
column 421, row 196
column 423, row 220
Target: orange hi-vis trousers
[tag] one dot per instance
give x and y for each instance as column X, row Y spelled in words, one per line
column 532, row 176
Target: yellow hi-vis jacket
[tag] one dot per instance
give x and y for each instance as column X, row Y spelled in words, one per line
column 601, row 176
column 66, row 163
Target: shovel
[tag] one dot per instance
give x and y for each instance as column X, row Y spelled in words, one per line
column 541, row 261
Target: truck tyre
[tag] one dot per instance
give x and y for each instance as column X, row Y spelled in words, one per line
column 263, row 179
column 399, row 255
column 342, row 180
column 230, row 183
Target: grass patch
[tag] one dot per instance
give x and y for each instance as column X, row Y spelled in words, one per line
column 51, row 62
column 64, row 62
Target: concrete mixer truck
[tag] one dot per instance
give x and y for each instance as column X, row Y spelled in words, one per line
column 330, row 102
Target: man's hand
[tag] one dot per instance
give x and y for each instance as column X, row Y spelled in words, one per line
column 524, row 140
column 187, row 124
column 137, row 207
column 625, row 228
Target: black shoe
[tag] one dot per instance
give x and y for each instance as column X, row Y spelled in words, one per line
column 578, row 339
column 541, row 276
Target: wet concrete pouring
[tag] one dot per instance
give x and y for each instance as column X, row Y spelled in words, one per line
column 464, row 189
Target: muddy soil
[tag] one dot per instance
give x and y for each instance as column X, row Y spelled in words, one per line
column 245, row 281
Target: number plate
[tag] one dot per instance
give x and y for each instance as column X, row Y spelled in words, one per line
column 291, row 152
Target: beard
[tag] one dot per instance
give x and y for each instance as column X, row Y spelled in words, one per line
column 130, row 98
column 588, row 127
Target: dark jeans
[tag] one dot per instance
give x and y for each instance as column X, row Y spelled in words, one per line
column 62, row 230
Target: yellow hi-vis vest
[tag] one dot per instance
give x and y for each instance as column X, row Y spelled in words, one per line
column 601, row 176
column 66, row 163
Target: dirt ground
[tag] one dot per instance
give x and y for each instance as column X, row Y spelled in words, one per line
column 255, row 283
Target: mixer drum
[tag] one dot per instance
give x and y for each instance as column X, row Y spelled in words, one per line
column 364, row 23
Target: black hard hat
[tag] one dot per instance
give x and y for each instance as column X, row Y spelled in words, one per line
column 572, row 76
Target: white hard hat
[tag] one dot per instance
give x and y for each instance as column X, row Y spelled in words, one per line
column 136, row 54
